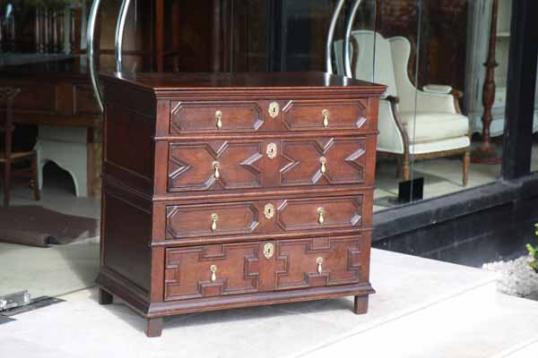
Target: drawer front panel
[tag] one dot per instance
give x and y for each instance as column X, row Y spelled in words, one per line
column 272, row 163
column 320, row 262
column 192, row 117
column 324, row 115
column 212, row 270
column 261, row 266
column 266, row 217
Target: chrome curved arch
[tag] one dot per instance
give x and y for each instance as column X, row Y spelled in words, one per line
column 118, row 44
column 90, row 41
column 330, row 36
column 120, row 28
column 349, row 27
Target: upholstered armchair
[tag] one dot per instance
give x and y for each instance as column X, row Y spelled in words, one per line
column 413, row 123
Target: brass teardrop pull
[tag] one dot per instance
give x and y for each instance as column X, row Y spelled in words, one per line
column 319, row 262
column 218, row 119
column 321, row 216
column 213, row 270
column 216, row 169
column 326, row 116
column 323, row 162
column 214, row 219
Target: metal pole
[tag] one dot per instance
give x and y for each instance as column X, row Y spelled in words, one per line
column 90, row 34
column 330, row 35
column 120, row 27
column 349, row 27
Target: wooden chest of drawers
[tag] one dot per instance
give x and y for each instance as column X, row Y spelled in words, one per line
column 224, row 191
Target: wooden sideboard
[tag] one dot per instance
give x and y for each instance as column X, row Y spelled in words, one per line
column 236, row 190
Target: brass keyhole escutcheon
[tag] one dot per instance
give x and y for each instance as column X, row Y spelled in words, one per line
column 216, row 169
column 271, row 151
column 321, row 216
column 326, row 116
column 269, row 211
column 323, row 162
column 274, row 109
column 319, row 262
column 268, row 250
column 218, row 119
column 213, row 270
column 214, row 219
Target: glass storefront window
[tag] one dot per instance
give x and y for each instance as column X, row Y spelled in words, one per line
column 442, row 119
column 444, row 62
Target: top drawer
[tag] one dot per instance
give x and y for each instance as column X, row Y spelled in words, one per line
column 270, row 116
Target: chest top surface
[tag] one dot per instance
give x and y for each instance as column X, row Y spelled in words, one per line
column 166, row 84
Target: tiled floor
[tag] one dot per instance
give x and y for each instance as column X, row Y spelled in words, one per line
column 422, row 308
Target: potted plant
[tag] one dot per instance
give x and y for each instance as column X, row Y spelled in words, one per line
column 518, row 277
column 533, row 253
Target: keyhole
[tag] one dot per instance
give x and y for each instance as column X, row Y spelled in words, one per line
column 271, row 150
column 274, row 108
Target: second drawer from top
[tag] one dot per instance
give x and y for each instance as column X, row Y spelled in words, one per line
column 269, row 163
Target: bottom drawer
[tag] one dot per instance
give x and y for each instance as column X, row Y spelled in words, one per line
column 249, row 267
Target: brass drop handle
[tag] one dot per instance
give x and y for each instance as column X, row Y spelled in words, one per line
column 326, row 116
column 321, row 216
column 216, row 169
column 218, row 119
column 214, row 219
column 323, row 162
column 213, row 269
column 319, row 262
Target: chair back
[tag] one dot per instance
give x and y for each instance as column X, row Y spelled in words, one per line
column 373, row 62
column 7, row 96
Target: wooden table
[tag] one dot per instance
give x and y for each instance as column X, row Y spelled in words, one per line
column 57, row 96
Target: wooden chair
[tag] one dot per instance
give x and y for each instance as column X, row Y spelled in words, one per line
column 9, row 156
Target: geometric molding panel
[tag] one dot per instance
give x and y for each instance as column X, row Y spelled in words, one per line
column 184, row 221
column 188, row 271
column 191, row 167
column 308, row 115
column 345, row 161
column 298, row 266
column 303, row 214
column 237, row 116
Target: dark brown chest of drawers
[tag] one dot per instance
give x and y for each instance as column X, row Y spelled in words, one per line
column 224, row 191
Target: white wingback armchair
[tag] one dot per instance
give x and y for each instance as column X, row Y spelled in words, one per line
column 422, row 124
